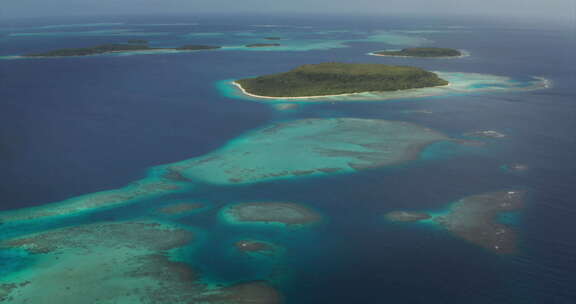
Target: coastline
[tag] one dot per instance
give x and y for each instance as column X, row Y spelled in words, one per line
column 135, row 52
column 463, row 54
column 313, row 97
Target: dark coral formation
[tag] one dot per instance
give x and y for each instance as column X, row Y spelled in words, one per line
column 474, row 218
column 116, row 263
column 278, row 212
column 180, row 208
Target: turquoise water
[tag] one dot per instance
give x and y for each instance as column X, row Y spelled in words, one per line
column 78, row 127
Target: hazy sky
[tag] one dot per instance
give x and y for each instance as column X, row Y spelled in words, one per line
column 541, row 9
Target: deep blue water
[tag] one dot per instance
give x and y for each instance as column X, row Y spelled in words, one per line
column 72, row 126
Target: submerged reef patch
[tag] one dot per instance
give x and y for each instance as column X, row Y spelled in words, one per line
column 256, row 247
column 406, row 216
column 180, row 208
column 270, row 212
column 310, row 147
column 121, row 262
column 474, row 218
column 143, row 189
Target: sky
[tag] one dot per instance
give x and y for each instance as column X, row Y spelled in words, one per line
column 539, row 9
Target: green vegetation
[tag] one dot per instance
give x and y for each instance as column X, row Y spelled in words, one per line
column 132, row 45
column 422, row 52
column 340, row 78
column 262, row 44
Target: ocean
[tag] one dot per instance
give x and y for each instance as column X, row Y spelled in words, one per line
column 80, row 125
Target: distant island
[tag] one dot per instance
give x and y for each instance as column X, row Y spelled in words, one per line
column 262, row 45
column 421, row 52
column 273, row 38
column 326, row 79
column 131, row 46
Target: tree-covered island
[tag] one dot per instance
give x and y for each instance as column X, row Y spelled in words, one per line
column 421, row 52
column 131, row 46
column 339, row 78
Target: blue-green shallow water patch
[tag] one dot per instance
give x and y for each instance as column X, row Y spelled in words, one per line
column 12, row 260
column 355, row 259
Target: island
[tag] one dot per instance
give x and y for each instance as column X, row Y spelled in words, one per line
column 273, row 38
column 429, row 52
column 406, row 216
column 131, row 46
column 255, row 45
column 332, row 78
column 270, row 212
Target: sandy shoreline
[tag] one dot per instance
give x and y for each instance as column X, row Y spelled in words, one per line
column 313, row 97
column 464, row 54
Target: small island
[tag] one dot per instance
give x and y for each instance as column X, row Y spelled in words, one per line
column 273, row 38
column 255, row 45
column 332, row 78
column 406, row 216
column 131, row 46
column 421, row 52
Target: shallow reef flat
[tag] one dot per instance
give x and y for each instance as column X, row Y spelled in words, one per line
column 474, row 218
column 143, row 189
column 270, row 213
column 309, row 147
column 406, row 216
column 120, row 262
column 459, row 84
